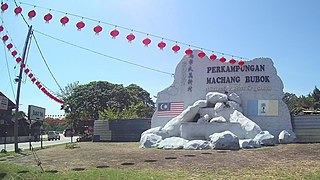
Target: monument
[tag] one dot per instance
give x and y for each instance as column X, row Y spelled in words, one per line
column 210, row 97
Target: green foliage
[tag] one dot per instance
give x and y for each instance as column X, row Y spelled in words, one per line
column 101, row 99
column 133, row 111
column 50, row 124
column 297, row 104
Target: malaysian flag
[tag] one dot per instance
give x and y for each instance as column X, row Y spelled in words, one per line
column 170, row 109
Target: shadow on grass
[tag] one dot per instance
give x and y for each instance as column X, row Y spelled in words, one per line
column 23, row 172
column 2, row 175
column 102, row 166
column 78, row 169
column 52, row 171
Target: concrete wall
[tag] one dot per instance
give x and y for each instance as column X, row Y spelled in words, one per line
column 120, row 130
column 307, row 128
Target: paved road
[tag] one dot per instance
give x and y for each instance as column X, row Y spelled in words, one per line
column 25, row 145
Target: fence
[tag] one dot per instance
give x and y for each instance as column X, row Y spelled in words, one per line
column 120, row 130
column 307, row 128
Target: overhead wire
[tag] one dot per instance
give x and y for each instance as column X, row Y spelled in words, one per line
column 10, row 79
column 45, row 62
column 104, row 55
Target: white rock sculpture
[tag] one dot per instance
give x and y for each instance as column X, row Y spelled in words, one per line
column 218, row 119
column 173, row 126
column 250, row 128
column 214, row 97
column 156, row 130
column 248, row 144
column 224, row 141
column 265, row 138
column 197, row 145
column 204, row 119
column 172, row 143
column 149, row 140
column 286, row 137
column 234, row 97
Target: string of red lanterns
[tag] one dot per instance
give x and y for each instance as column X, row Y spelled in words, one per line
column 130, row 37
column 27, row 71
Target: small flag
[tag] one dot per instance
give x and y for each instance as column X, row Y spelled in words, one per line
column 170, row 109
column 263, row 107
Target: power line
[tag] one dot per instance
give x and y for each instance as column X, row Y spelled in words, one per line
column 104, row 55
column 5, row 54
column 44, row 60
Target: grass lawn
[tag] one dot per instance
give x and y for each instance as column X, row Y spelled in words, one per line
column 13, row 171
column 296, row 161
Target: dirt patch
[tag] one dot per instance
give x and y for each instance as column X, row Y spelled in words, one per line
column 91, row 155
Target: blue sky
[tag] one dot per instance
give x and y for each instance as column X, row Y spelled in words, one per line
column 288, row 31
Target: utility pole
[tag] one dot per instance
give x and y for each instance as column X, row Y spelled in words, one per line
column 16, row 122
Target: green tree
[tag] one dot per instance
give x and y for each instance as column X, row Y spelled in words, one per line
column 112, row 100
column 316, row 95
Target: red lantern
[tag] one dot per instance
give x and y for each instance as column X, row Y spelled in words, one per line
column 175, row 48
column 22, row 65
column 27, row 70
column 232, row 61
column 14, row 53
column 201, row 54
column 9, row 46
column 213, row 57
column 1, row 28
column 19, row 59
column 4, row 7
column 39, row 86
column 146, row 42
column 32, row 14
column 161, row 45
column 97, row 29
column 80, row 25
column 17, row 10
column 5, row 38
column 47, row 17
column 37, row 83
column 114, row 33
column 130, row 37
column 241, row 63
column 33, row 79
column 188, row 52
column 222, row 59
column 30, row 75
column 64, row 20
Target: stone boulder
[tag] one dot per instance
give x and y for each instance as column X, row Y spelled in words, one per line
column 197, row 145
column 149, row 140
column 248, row 144
column 224, row 141
column 156, row 130
column 201, row 103
column 207, row 110
column 250, row 128
column 172, row 143
column 204, row 119
column 218, row 119
column 286, row 137
column 173, row 126
column 265, row 138
column 234, row 97
column 214, row 97
column 234, row 105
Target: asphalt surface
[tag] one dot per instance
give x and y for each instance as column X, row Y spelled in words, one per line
column 25, row 145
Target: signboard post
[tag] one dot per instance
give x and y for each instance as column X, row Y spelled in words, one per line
column 38, row 114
